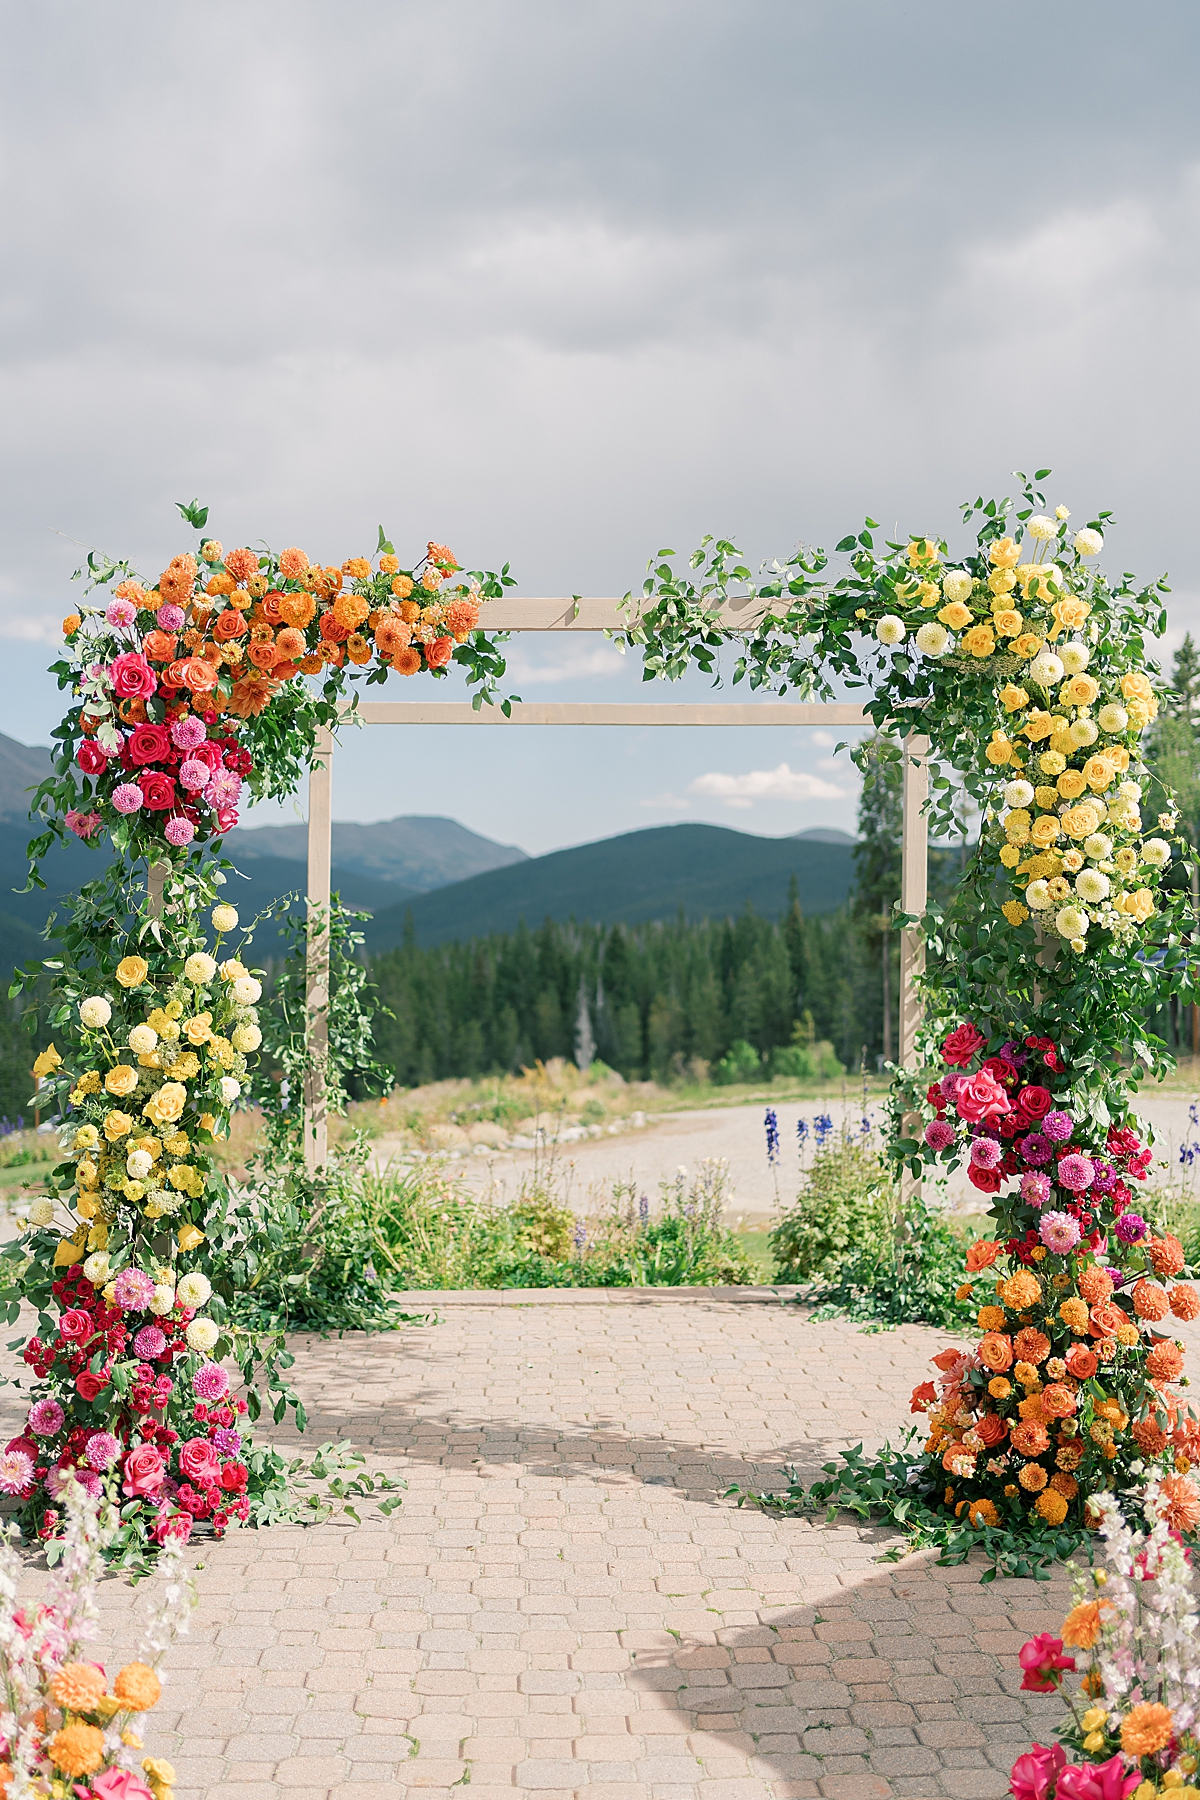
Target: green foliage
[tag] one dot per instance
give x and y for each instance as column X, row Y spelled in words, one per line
column 741, row 1062
column 847, row 1201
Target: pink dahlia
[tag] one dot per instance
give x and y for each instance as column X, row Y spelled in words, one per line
column 179, row 831
column 986, row 1153
column 210, row 1382
column 45, row 1418
column 169, row 618
column 102, row 1450
column 223, row 789
column 939, row 1135
column 16, row 1472
column 133, row 1290
column 194, row 774
column 1059, row 1232
column 128, row 797
column 1076, row 1172
column 1035, row 1188
column 120, row 613
column 149, row 1342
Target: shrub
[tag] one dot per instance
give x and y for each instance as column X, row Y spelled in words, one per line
column 848, row 1199
column 806, row 1062
column 741, row 1062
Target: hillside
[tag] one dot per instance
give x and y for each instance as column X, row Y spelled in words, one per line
column 416, row 853
column 702, row 870
column 22, row 766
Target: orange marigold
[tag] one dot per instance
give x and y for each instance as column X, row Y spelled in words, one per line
column 1165, row 1361
column 999, row 1388
column 402, row 586
column 1179, row 1502
column 1096, row 1285
column 1074, row 1313
column 1082, row 1625
column 1030, row 1438
column 1127, row 1334
column 1185, row 1302
column 1031, row 1345
column 137, row 1687
column 76, row 1687
column 991, row 1318
column 388, row 564
column 1032, row 1477
column 983, row 1512
column 1166, row 1254
column 350, row 610
column 1150, row 1300
column 1147, row 1728
column 219, row 584
column 1021, row 1290
column 311, row 665
column 77, row 1749
column 242, row 564
column 407, row 661
column 1064, row 1484
column 357, row 568
column 297, row 610
column 1028, row 1377
column 71, row 624
column 292, row 564
column 1050, row 1505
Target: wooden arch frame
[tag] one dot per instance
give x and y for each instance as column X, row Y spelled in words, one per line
column 588, row 615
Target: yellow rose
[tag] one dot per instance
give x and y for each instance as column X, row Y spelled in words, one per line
column 1099, row 773
column 1014, row 912
column 86, row 1205
column 121, row 1080
column 1141, row 712
column 1080, row 690
column 1002, row 582
column 999, row 751
column 955, row 616
column 189, row 1237
column 1004, row 554
column 1069, row 614
column 1027, row 645
column 921, row 552
column 167, row 1105
column 1045, row 831
column 199, row 1029
column 47, row 1062
column 1071, row 784
column 979, row 641
column 1081, row 821
column 1136, row 686
column 132, row 971
column 928, row 592
column 117, row 1125
column 1007, row 622
column 1037, row 726
column 1012, row 697
column 1138, row 905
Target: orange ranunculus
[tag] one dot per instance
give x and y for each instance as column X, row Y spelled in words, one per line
column 996, row 1352
column 1081, row 1362
column 1031, row 1345
column 1165, row 1361
column 981, row 1255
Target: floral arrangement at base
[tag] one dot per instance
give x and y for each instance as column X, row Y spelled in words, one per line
column 1132, row 1637
column 65, row 1732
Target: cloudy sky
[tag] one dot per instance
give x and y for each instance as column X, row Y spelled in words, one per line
column 561, row 283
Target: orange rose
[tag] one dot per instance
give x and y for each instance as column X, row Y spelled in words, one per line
column 996, row 1352
column 199, row 677
column 1058, row 1402
column 981, row 1255
column 992, row 1429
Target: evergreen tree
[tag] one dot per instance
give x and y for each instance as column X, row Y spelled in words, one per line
column 877, row 859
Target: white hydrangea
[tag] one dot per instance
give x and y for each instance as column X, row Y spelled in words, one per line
column 1018, row 793
column 247, row 991
column 1083, row 732
column 1075, row 656
column 95, row 1012
column 1113, row 718
column 1088, row 542
column 202, row 1335
column 1092, row 886
column 1156, row 852
column 230, row 1089
column 957, row 585
column 41, row 1212
column 200, row 968
column 162, row 1299
column 194, row 1290
column 138, row 1164
column 1041, row 528
column 932, row 639
column 1038, row 896
column 96, row 1268
column 1098, row 847
column 1046, row 669
column 891, row 630
column 143, row 1039
column 1070, row 922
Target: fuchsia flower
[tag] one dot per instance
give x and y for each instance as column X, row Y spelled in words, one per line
column 1033, row 1775
column 1059, row 1232
column 1035, row 1149
column 1057, row 1126
column 1131, row 1228
column 149, row 1343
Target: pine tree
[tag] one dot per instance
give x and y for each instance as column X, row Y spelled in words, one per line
column 877, row 859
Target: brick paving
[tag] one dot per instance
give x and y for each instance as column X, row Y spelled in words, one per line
column 566, row 1598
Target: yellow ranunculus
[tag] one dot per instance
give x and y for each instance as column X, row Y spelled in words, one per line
column 979, row 641
column 1004, row 554
column 1027, row 645
column 1007, row 622
column 1071, row 784
column 928, row 592
column 1142, row 712
column 132, row 971
column 955, row 616
column 121, row 1080
column 1080, row 690
column 47, row 1062
column 117, row 1125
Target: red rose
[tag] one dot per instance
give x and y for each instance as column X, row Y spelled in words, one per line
column 207, row 753
column 999, row 1070
column 75, row 1325
column 89, row 1386
column 198, row 1461
column 132, row 677
column 979, row 1098
column 986, row 1180
column 148, row 744
column 1034, row 1102
column 234, row 1477
column 91, row 757
column 158, row 791
column 172, row 1525
column 962, row 1044
column 145, row 1472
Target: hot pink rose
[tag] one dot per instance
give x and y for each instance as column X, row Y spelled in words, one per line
column 76, row 1325
column 119, row 1784
column 145, row 1471
column 198, row 1461
column 980, row 1098
column 1042, row 1660
column 147, row 744
column 169, row 1525
column 91, row 757
column 1112, row 1780
column 1034, row 1773
column 132, row 677
column 962, row 1044
column 158, row 791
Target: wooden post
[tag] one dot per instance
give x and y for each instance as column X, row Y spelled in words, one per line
column 914, row 893
column 156, row 878
column 320, row 835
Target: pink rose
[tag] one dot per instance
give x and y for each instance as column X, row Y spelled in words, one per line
column 198, row 1461
column 1098, row 1781
column 980, row 1097
column 120, row 1784
column 1034, row 1773
column 145, row 1471
column 1042, row 1658
column 91, row 757
column 76, row 1325
column 132, row 677
column 169, row 1525
column 962, row 1044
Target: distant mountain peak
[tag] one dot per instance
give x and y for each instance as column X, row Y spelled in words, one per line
column 824, row 834
column 418, row 852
